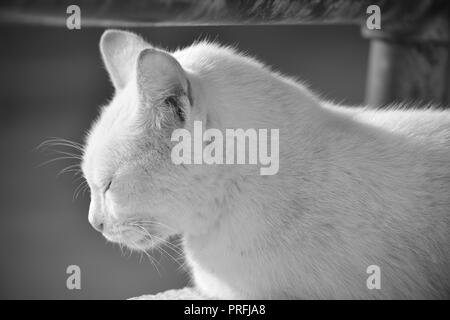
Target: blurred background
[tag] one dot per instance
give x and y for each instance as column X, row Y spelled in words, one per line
column 52, row 83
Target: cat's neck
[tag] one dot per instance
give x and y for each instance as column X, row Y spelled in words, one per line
column 323, row 156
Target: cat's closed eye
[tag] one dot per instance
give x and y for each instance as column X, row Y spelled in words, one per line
column 108, row 186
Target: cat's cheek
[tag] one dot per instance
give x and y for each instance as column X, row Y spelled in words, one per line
column 110, row 205
column 119, row 206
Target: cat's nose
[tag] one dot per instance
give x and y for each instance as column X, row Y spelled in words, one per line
column 96, row 219
column 96, row 223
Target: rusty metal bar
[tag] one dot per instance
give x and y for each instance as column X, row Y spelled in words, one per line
column 408, row 56
column 408, row 62
column 145, row 13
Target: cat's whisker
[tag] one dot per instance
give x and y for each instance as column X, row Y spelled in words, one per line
column 76, row 172
column 70, row 154
column 152, row 259
column 121, row 249
column 86, row 188
column 72, row 168
column 55, row 159
column 59, row 142
column 165, row 242
column 50, row 144
column 80, row 187
column 62, row 149
column 57, row 139
column 174, row 259
column 155, row 223
column 160, row 248
column 171, row 246
column 151, row 223
column 79, row 178
column 76, row 190
column 168, row 243
column 182, row 264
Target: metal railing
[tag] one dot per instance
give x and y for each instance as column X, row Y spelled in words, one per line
column 408, row 55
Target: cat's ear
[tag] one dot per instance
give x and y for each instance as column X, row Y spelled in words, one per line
column 119, row 50
column 163, row 82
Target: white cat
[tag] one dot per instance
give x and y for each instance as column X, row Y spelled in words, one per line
column 356, row 187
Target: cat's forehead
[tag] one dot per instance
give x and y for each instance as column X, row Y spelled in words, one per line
column 115, row 122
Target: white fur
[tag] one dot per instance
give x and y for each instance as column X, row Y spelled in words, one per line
column 356, row 186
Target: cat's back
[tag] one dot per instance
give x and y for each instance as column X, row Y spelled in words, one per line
column 430, row 126
column 427, row 134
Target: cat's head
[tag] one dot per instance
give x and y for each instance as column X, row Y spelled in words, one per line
column 137, row 193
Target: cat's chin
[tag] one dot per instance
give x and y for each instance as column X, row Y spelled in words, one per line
column 142, row 245
column 134, row 242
